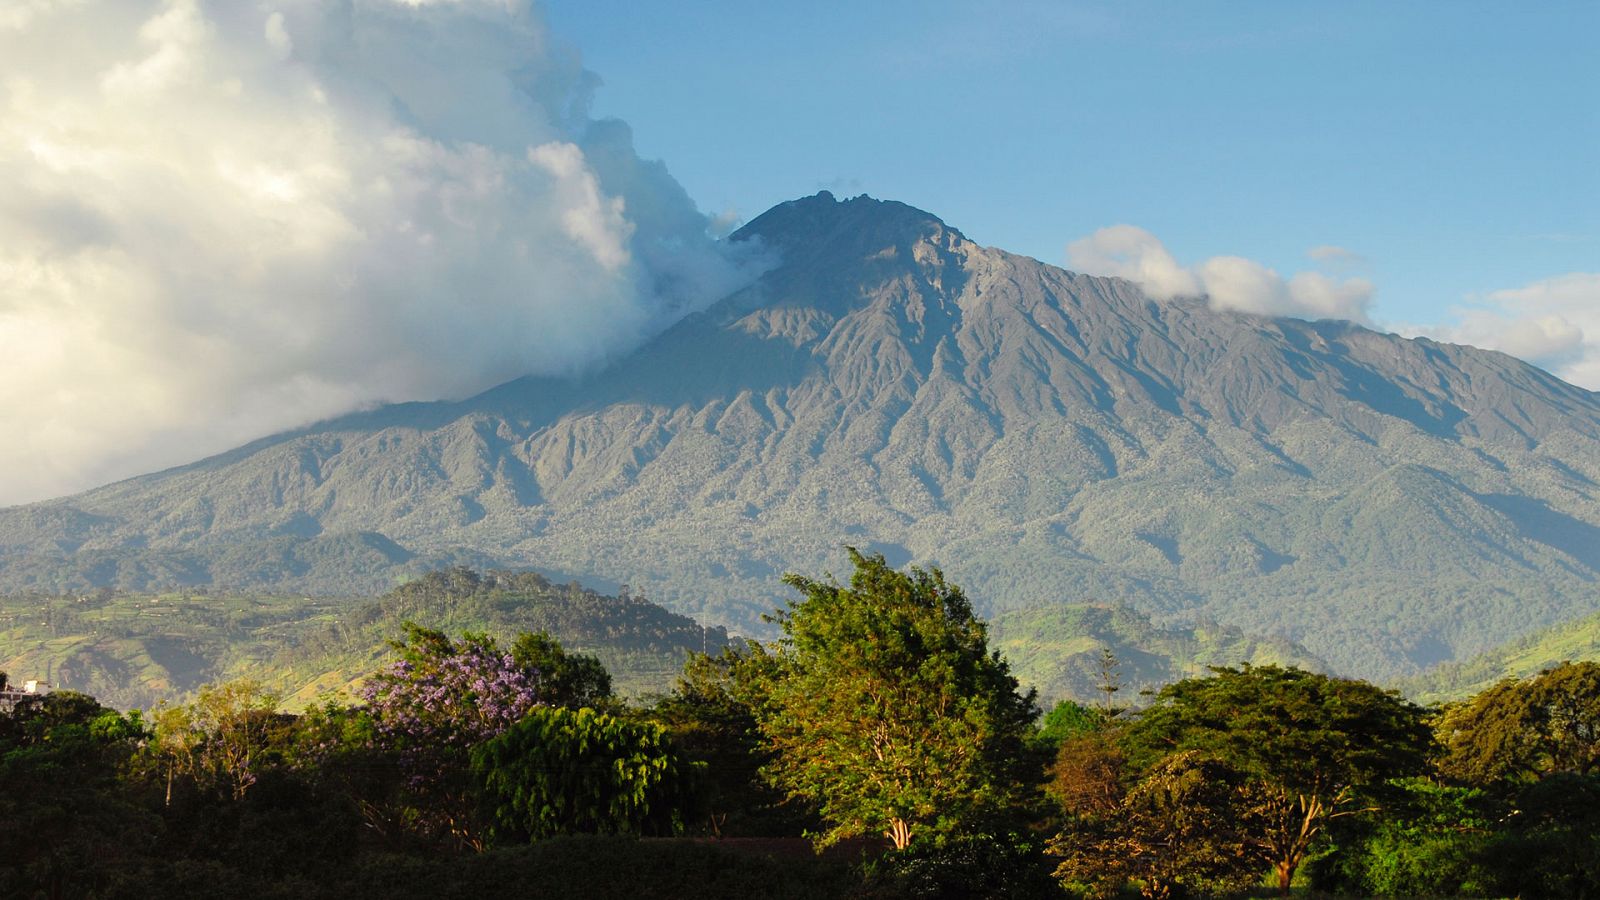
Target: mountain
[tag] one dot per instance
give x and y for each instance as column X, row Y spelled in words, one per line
column 1060, row 650
column 1044, row 436
column 1574, row 641
column 134, row 650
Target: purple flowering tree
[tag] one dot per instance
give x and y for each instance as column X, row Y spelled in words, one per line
column 430, row 708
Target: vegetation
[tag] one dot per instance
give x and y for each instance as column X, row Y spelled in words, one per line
column 881, row 727
column 884, row 706
column 1524, row 657
column 560, row 771
column 1185, row 826
column 133, row 650
column 1526, row 730
column 1312, row 748
column 1058, row 650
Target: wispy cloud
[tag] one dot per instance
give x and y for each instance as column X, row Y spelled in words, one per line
column 1334, row 255
column 1553, row 323
column 1228, row 282
column 221, row 219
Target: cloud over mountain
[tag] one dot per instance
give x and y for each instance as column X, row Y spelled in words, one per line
column 223, row 219
column 1230, row 282
column 1554, row 322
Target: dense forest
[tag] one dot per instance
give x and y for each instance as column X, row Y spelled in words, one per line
column 879, row 747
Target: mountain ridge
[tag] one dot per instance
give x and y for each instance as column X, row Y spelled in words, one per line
column 1043, row 435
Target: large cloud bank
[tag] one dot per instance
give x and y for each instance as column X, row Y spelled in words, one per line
column 226, row 217
column 1228, row 282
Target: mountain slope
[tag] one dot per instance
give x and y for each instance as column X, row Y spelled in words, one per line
column 1574, row 641
column 1044, row 436
column 1059, row 650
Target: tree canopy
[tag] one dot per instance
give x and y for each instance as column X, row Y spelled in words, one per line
column 1316, row 747
column 1525, row 729
column 884, row 706
column 562, row 771
column 1186, row 824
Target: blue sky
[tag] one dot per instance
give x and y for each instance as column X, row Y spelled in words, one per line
column 1453, row 146
column 226, row 219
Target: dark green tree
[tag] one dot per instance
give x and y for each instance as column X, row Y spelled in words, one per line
column 712, row 725
column 1550, row 846
column 883, row 705
column 562, row 771
column 1429, row 842
column 573, row 680
column 1315, row 748
column 67, row 820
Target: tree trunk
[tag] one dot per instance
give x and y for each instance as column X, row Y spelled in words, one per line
column 899, row 832
column 1285, row 869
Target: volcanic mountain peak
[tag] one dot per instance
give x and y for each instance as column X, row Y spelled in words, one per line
column 1044, row 435
column 822, row 224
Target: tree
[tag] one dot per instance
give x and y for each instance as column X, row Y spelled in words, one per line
column 712, row 726
column 175, row 742
column 1528, row 729
column 1185, row 825
column 430, row 707
column 448, row 694
column 1315, row 747
column 573, row 680
column 560, row 771
column 1086, row 775
column 1430, row 842
column 67, row 822
column 1109, row 669
column 231, row 722
column 883, row 705
column 1550, row 846
column 1068, row 719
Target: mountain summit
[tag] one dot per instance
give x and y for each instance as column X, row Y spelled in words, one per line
column 1044, row 436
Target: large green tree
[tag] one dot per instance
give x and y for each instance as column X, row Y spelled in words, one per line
column 1316, row 748
column 884, row 706
column 563, row 771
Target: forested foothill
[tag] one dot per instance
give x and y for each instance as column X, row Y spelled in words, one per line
column 878, row 747
column 133, row 650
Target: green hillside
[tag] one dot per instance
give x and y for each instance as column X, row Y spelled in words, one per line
column 133, row 650
column 1058, row 649
column 1575, row 641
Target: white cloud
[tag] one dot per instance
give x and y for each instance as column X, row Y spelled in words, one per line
column 1127, row 251
column 1553, row 323
column 1229, row 282
column 222, row 219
